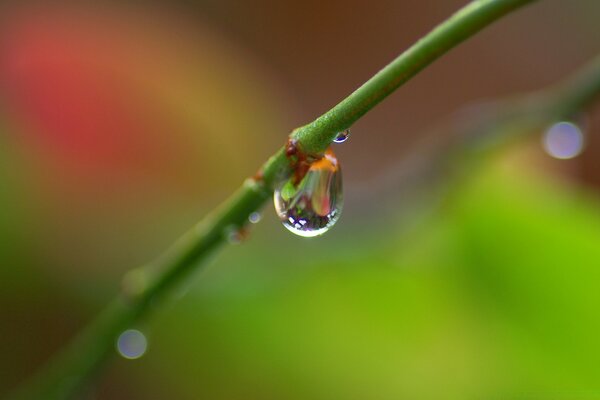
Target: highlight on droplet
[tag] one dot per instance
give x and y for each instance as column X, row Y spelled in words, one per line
column 563, row 140
column 132, row 344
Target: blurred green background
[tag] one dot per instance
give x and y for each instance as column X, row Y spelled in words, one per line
column 123, row 123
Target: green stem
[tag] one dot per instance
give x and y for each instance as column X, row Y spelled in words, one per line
column 317, row 135
column 146, row 287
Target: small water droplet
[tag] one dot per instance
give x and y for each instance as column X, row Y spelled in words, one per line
column 254, row 218
column 342, row 136
column 312, row 206
column 563, row 140
column 233, row 235
column 132, row 344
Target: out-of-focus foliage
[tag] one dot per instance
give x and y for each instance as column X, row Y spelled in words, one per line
column 493, row 295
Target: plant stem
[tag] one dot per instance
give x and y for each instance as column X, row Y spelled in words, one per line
column 146, row 287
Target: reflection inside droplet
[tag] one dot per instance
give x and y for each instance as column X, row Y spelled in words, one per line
column 132, row 344
column 563, row 140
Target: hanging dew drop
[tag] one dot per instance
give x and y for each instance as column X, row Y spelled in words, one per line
column 312, row 206
column 342, row 136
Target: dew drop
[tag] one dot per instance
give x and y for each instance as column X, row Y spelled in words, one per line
column 563, row 140
column 342, row 136
column 132, row 344
column 233, row 235
column 254, row 218
column 312, row 206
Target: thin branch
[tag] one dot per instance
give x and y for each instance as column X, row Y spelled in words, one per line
column 146, row 287
column 476, row 129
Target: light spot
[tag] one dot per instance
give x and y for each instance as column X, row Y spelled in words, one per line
column 132, row 344
column 563, row 140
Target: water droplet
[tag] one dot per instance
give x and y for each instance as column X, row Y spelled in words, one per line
column 132, row 344
column 312, row 206
column 563, row 140
column 254, row 218
column 342, row 136
column 233, row 235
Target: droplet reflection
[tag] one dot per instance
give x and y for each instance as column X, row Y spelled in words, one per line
column 563, row 140
column 132, row 344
